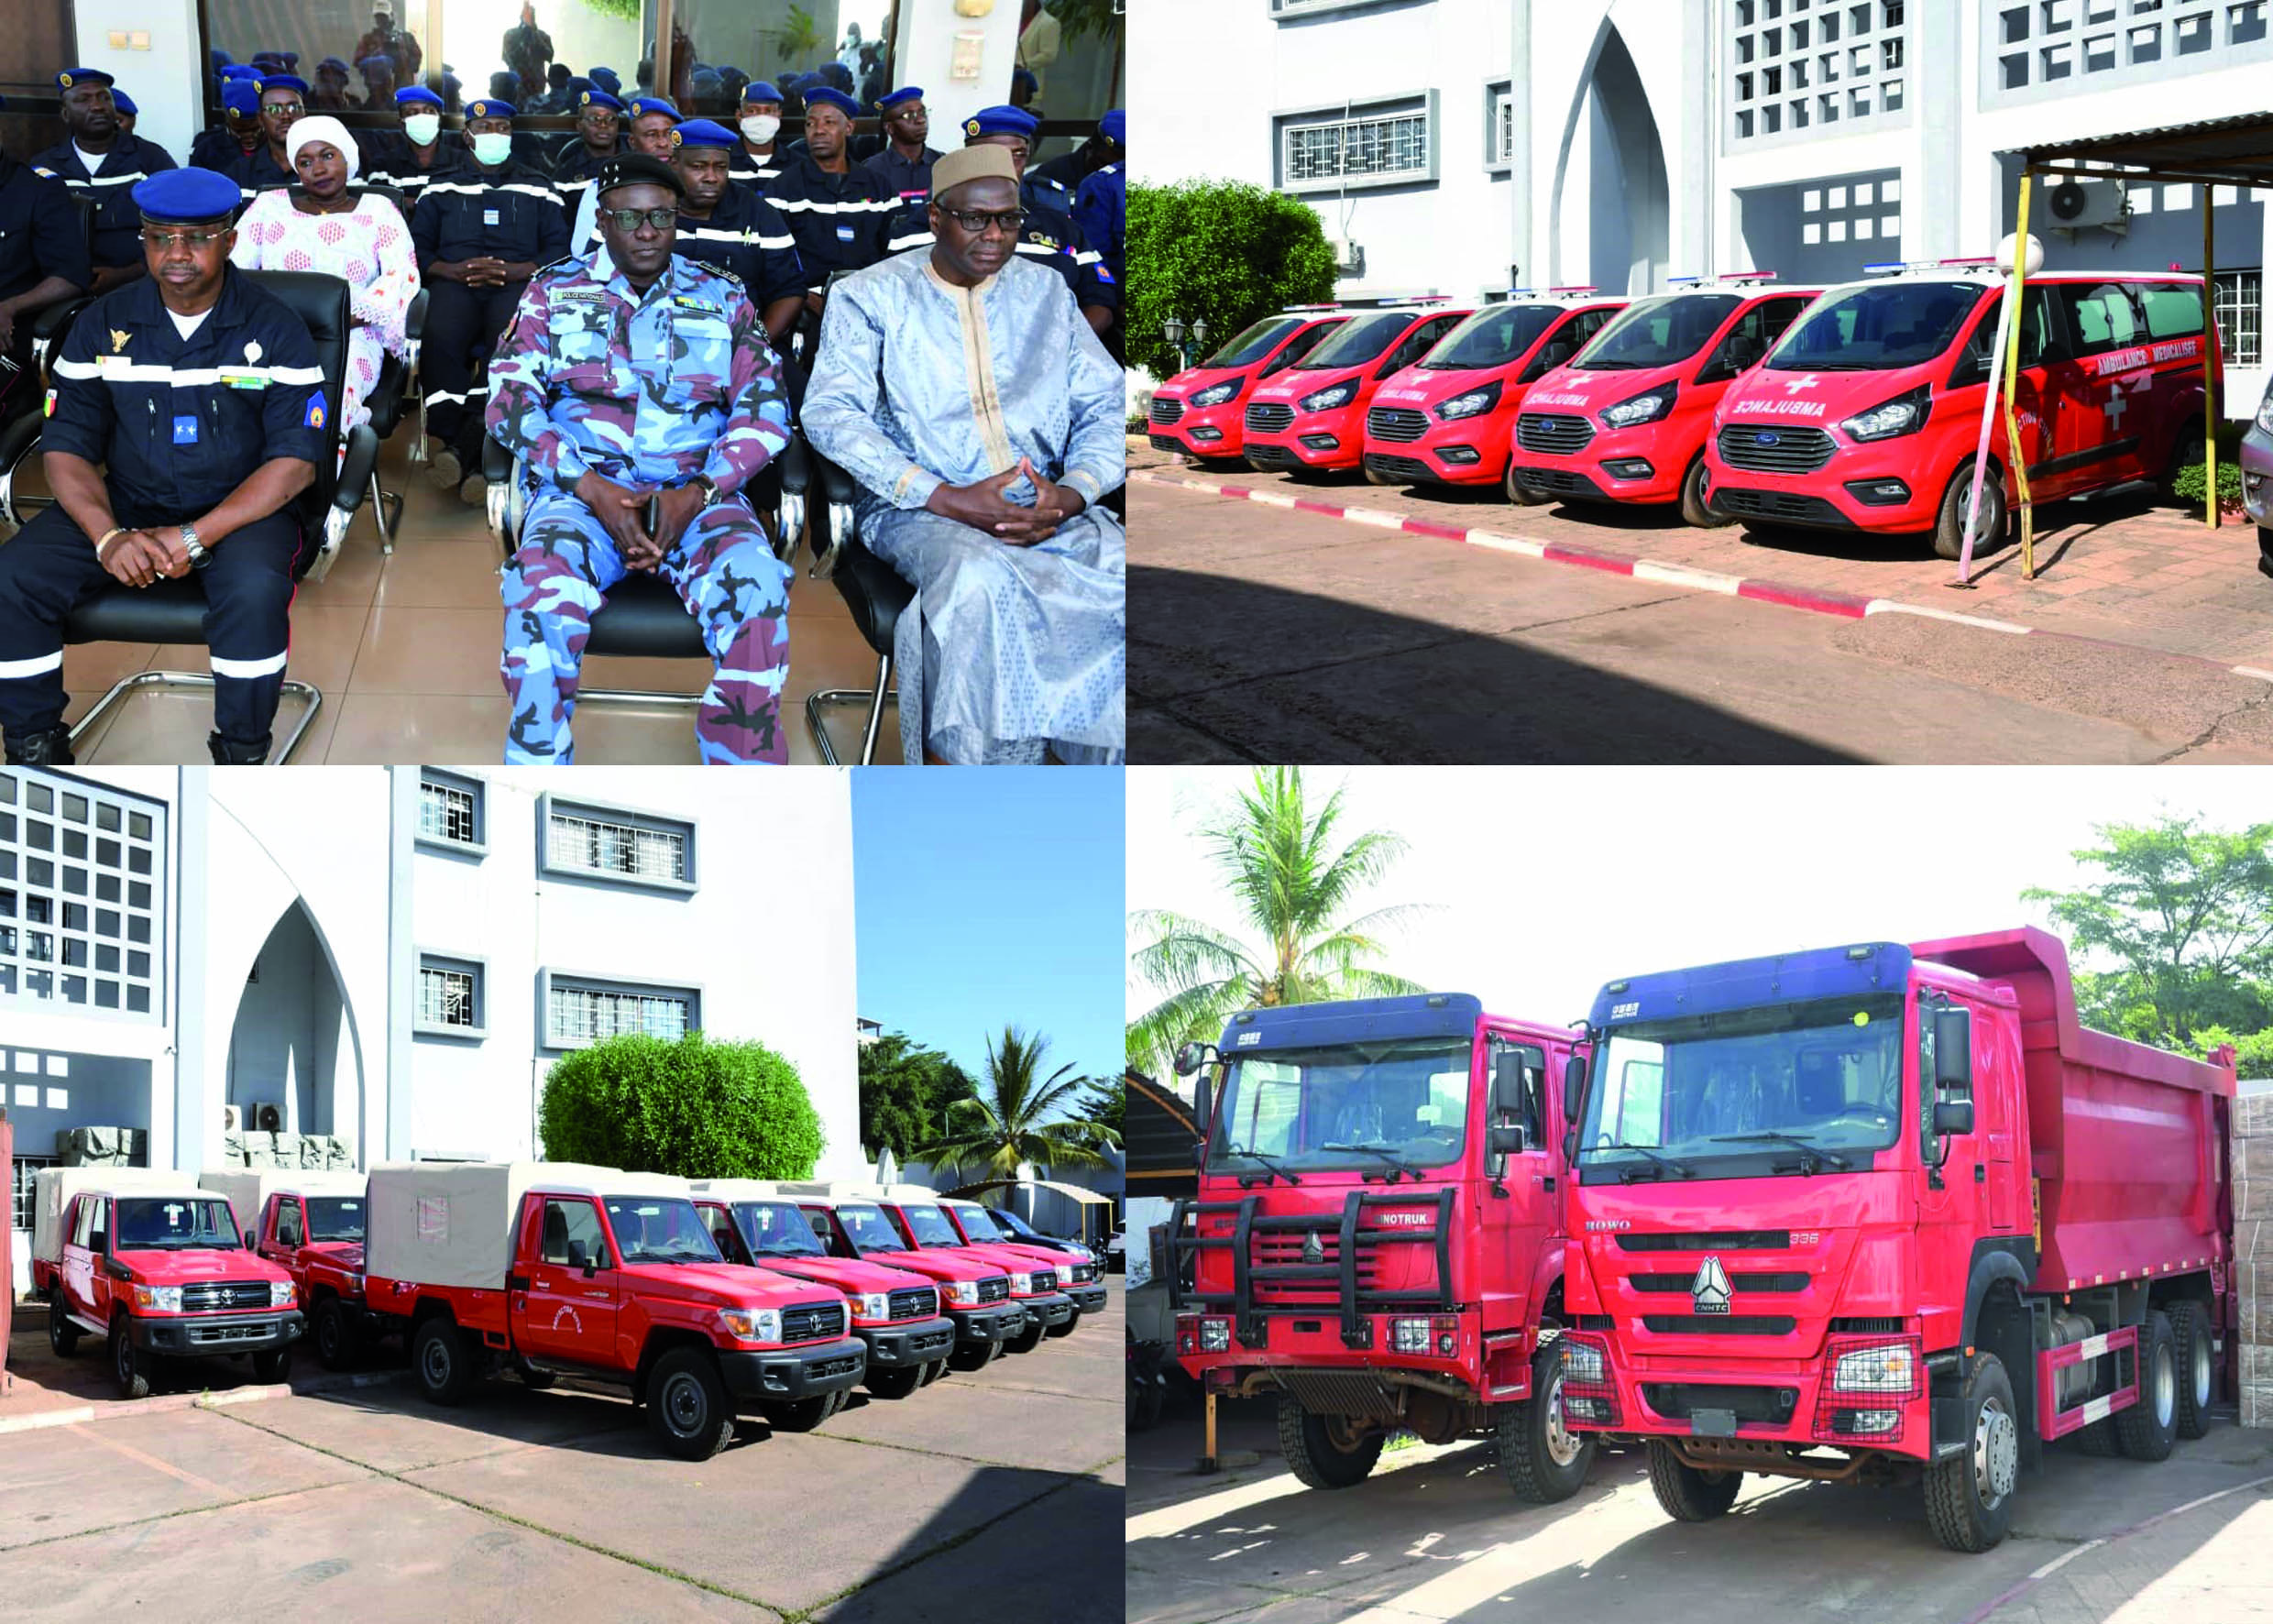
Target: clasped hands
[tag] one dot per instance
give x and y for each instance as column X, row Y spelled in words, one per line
column 984, row 507
column 623, row 512
column 139, row 558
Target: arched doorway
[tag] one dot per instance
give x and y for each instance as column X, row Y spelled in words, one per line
column 291, row 1047
column 1612, row 206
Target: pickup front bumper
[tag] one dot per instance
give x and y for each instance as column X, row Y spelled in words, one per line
column 215, row 1333
column 1090, row 1298
column 997, row 1322
column 1053, row 1308
column 794, row 1373
column 912, row 1341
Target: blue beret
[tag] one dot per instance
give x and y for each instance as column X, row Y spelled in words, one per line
column 823, row 95
column 762, row 90
column 291, row 59
column 377, row 62
column 70, row 76
column 331, row 62
column 221, row 58
column 606, row 78
column 599, row 98
column 906, row 93
column 419, row 94
column 1019, row 74
column 241, row 96
column 124, row 102
column 704, row 132
column 1111, row 126
column 791, row 80
column 283, row 81
column 1000, row 121
column 837, row 74
column 489, row 107
column 240, row 70
column 644, row 105
column 179, row 197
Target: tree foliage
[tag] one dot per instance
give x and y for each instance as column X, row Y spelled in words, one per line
column 1292, row 881
column 2185, row 913
column 691, row 1106
column 1020, row 1115
column 905, row 1090
column 1222, row 251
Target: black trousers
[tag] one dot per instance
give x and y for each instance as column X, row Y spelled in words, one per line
column 460, row 322
column 49, row 568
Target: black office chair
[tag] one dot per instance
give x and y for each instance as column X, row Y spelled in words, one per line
column 875, row 593
column 174, row 611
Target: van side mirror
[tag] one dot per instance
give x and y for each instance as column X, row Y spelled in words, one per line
column 1953, row 1116
column 1954, row 1047
column 1574, row 1087
column 249, row 1243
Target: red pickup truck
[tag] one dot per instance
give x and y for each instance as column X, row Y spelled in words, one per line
column 896, row 1312
column 556, row 1269
column 1080, row 1275
column 310, row 1224
column 155, row 1265
column 1034, row 1286
column 976, row 1294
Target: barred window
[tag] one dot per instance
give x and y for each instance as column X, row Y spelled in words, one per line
column 22, row 1189
column 1358, row 146
column 449, row 809
column 580, row 1013
column 446, row 997
column 2238, row 302
column 594, row 845
column 1503, row 127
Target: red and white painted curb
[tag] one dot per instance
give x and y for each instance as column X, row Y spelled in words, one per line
column 1845, row 605
column 78, row 1414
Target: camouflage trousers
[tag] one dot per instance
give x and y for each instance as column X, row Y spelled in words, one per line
column 723, row 570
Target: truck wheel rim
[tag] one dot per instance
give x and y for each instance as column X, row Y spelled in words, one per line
column 327, row 1336
column 124, row 1358
column 2200, row 1372
column 682, row 1404
column 1996, row 1452
column 2166, row 1387
column 434, row 1362
column 1562, row 1442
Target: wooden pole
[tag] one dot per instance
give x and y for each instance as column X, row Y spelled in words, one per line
column 1208, row 1461
column 2210, row 361
column 2015, row 450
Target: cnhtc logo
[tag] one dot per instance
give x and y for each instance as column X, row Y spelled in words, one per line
column 1312, row 1251
column 1710, row 1292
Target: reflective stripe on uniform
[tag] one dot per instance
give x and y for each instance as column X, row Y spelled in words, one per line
column 14, row 670
column 184, row 376
column 853, row 205
column 246, row 668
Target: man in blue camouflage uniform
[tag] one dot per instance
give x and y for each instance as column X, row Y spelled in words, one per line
column 628, row 376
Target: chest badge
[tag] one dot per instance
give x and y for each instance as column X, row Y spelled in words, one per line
column 118, row 338
column 252, row 352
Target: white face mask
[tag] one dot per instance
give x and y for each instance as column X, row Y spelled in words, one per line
column 422, row 128
column 491, row 149
column 761, row 127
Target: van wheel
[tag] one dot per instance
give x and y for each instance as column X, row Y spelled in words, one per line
column 334, row 1338
column 2197, row 1362
column 974, row 1356
column 2186, row 450
column 686, row 1404
column 1375, row 476
column 1325, row 1451
column 799, row 1415
column 1520, row 496
column 1969, row 1498
column 1693, row 510
column 2148, row 1430
column 1073, row 1320
column 894, row 1382
column 438, row 1355
column 1949, row 526
column 1027, row 1339
column 127, row 1366
column 62, row 1335
column 272, row 1365
column 1541, row 1459
column 1687, row 1494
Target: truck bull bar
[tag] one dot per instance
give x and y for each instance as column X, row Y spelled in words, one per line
column 2054, row 1421
column 1248, row 1316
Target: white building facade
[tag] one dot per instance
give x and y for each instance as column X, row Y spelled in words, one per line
column 396, row 956
column 1462, row 146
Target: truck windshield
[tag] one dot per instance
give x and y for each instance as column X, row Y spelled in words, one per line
column 1656, row 332
column 1878, row 327
column 1827, row 1073
column 1253, row 343
column 1493, row 337
column 931, row 1227
column 1343, row 1106
column 870, row 1230
column 777, row 1229
column 334, row 1217
column 163, row 1224
column 1361, row 339
column 658, row 1229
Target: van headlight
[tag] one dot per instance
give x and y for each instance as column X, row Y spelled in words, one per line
column 1641, row 409
column 1469, row 405
column 1340, row 394
column 281, row 1293
column 164, row 1300
column 1215, row 394
column 2264, row 412
column 1215, row 1336
column 752, row 1324
column 1904, row 414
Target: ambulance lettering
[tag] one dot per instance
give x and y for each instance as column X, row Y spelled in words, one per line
column 1559, row 399
column 1778, row 408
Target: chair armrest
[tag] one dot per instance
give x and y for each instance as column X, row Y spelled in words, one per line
column 506, row 502
column 17, row 441
column 796, row 466
column 837, row 485
column 48, row 327
column 354, row 478
column 415, row 321
column 496, row 463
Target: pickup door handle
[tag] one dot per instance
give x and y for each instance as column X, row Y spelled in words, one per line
column 1981, row 1174
column 516, row 1282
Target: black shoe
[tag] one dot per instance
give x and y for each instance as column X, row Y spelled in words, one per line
column 2265, row 565
column 50, row 748
column 229, row 752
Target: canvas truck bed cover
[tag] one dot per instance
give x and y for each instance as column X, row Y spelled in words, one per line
column 451, row 1223
column 54, row 1188
column 248, row 1189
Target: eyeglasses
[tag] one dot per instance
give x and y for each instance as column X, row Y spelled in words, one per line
column 1010, row 220
column 629, row 219
column 294, row 108
column 170, row 241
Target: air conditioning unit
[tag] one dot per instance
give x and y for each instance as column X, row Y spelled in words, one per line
column 1350, row 257
column 2076, row 205
column 268, row 1118
column 232, row 1119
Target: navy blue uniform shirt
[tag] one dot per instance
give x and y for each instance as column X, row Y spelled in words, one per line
column 512, row 214
column 748, row 237
column 40, row 232
column 117, row 222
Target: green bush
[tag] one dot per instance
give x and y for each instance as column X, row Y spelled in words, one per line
column 2188, row 481
column 690, row 1106
column 1218, row 251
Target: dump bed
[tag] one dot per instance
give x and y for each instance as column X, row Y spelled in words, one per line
column 248, row 1189
column 451, row 1223
column 2126, row 1140
column 55, row 1187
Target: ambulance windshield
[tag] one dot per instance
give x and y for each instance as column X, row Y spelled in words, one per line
column 1361, row 339
column 1656, row 332
column 1491, row 337
column 1253, row 343
column 1879, row 327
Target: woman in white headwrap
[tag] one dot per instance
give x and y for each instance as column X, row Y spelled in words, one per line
column 325, row 225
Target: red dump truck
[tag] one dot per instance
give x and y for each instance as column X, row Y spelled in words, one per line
column 555, row 1270
column 1881, row 1211
column 1378, row 1237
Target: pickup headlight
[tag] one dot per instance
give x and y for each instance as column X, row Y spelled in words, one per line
column 1469, row 405
column 1641, row 409
column 965, row 1292
column 871, row 1305
column 1582, row 1363
column 752, row 1324
column 281, row 1293
column 164, row 1300
column 1215, row 394
column 1022, row 1285
column 1340, row 394
column 1904, row 414
column 1889, row 1369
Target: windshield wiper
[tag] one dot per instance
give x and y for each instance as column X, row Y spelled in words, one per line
column 1666, row 1163
column 1383, row 1152
column 1614, row 365
column 1810, row 1153
column 1270, row 1163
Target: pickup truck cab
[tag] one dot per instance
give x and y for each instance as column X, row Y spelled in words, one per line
column 157, row 1269
column 1200, row 411
column 1033, row 1284
column 559, row 1269
column 976, row 1294
column 309, row 1224
column 1079, row 1276
column 895, row 1313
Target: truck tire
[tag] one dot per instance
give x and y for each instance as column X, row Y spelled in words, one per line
column 1949, row 523
column 974, row 1357
column 1321, row 1453
column 1695, row 511
column 933, row 1371
column 1073, row 1320
column 535, row 1380
column 686, row 1404
column 2186, row 450
column 62, row 1334
column 1027, row 1339
column 2097, row 1439
column 2198, row 1368
column 272, row 1365
column 1969, row 1498
column 2150, row 1429
column 893, row 1381
column 337, row 1344
column 799, row 1415
column 1687, row 1494
column 446, row 1375
column 1542, row 1460
column 131, row 1371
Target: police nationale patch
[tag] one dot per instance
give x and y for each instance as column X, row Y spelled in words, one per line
column 316, row 413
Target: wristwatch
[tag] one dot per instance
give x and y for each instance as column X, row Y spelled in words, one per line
column 199, row 558
column 708, row 486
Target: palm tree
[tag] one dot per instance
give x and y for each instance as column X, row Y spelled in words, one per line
column 1008, row 1123
column 1294, row 887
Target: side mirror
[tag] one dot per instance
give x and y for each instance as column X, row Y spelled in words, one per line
column 1953, row 1116
column 1202, row 1103
column 576, row 1255
column 1508, row 1094
column 1190, row 1058
column 1506, row 1141
column 1954, row 1047
column 248, row 1241
column 1574, row 1087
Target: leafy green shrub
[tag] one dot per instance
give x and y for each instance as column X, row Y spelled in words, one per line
column 1220, row 251
column 691, row 1106
column 2189, row 480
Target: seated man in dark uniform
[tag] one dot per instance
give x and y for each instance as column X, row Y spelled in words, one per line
column 90, row 121
column 238, row 133
column 415, row 156
column 283, row 103
column 43, row 260
column 724, row 226
column 838, row 211
column 600, row 136
column 907, row 159
column 188, row 412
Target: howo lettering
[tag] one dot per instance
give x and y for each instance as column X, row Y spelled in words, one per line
column 1378, row 1239
column 1879, row 1211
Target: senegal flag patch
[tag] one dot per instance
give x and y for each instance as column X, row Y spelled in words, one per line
column 49, row 410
